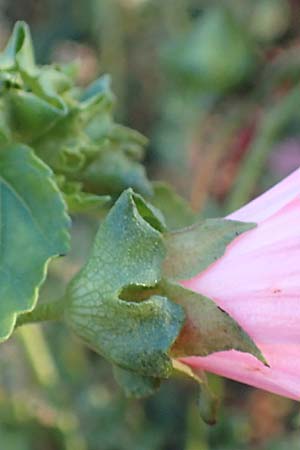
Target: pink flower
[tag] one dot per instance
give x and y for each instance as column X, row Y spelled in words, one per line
column 257, row 282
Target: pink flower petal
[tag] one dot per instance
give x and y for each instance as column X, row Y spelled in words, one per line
column 257, row 282
column 246, row 369
column 271, row 201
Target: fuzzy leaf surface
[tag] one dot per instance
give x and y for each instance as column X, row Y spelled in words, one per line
column 128, row 251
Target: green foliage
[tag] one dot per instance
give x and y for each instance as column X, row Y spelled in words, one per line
column 175, row 209
column 113, row 171
column 191, row 250
column 127, row 251
column 216, row 55
column 34, row 225
column 223, row 132
column 78, row 200
column 208, row 403
column 71, row 129
column 121, row 307
column 41, row 107
column 122, row 302
column 135, row 385
column 18, row 53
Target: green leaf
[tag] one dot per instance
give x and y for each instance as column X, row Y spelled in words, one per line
column 196, row 57
column 207, row 327
column 66, row 147
column 18, row 53
column 99, row 90
column 191, row 250
column 5, row 134
column 71, row 130
column 32, row 94
column 78, row 200
column 34, row 226
column 29, row 116
column 97, row 101
column 135, row 385
column 130, row 141
column 128, row 251
column 49, row 84
column 113, row 171
column 175, row 209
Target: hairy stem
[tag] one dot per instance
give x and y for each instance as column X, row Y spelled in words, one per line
column 43, row 312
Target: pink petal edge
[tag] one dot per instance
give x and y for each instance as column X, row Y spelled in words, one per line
column 269, row 202
column 257, row 282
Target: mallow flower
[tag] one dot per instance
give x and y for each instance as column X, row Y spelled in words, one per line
column 257, row 281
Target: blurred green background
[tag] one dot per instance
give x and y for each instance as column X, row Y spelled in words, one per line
column 215, row 87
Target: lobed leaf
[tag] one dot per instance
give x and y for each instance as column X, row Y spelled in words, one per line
column 34, row 228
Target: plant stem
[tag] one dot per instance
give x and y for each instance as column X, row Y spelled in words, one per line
column 47, row 311
column 39, row 355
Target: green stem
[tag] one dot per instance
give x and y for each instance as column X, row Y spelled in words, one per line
column 39, row 355
column 43, row 312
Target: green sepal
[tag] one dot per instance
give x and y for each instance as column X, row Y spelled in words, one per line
column 34, row 226
column 191, row 250
column 177, row 212
column 151, row 214
column 207, row 327
column 130, row 292
column 208, row 402
column 135, row 385
column 128, row 251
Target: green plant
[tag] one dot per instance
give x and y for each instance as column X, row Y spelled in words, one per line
column 61, row 153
